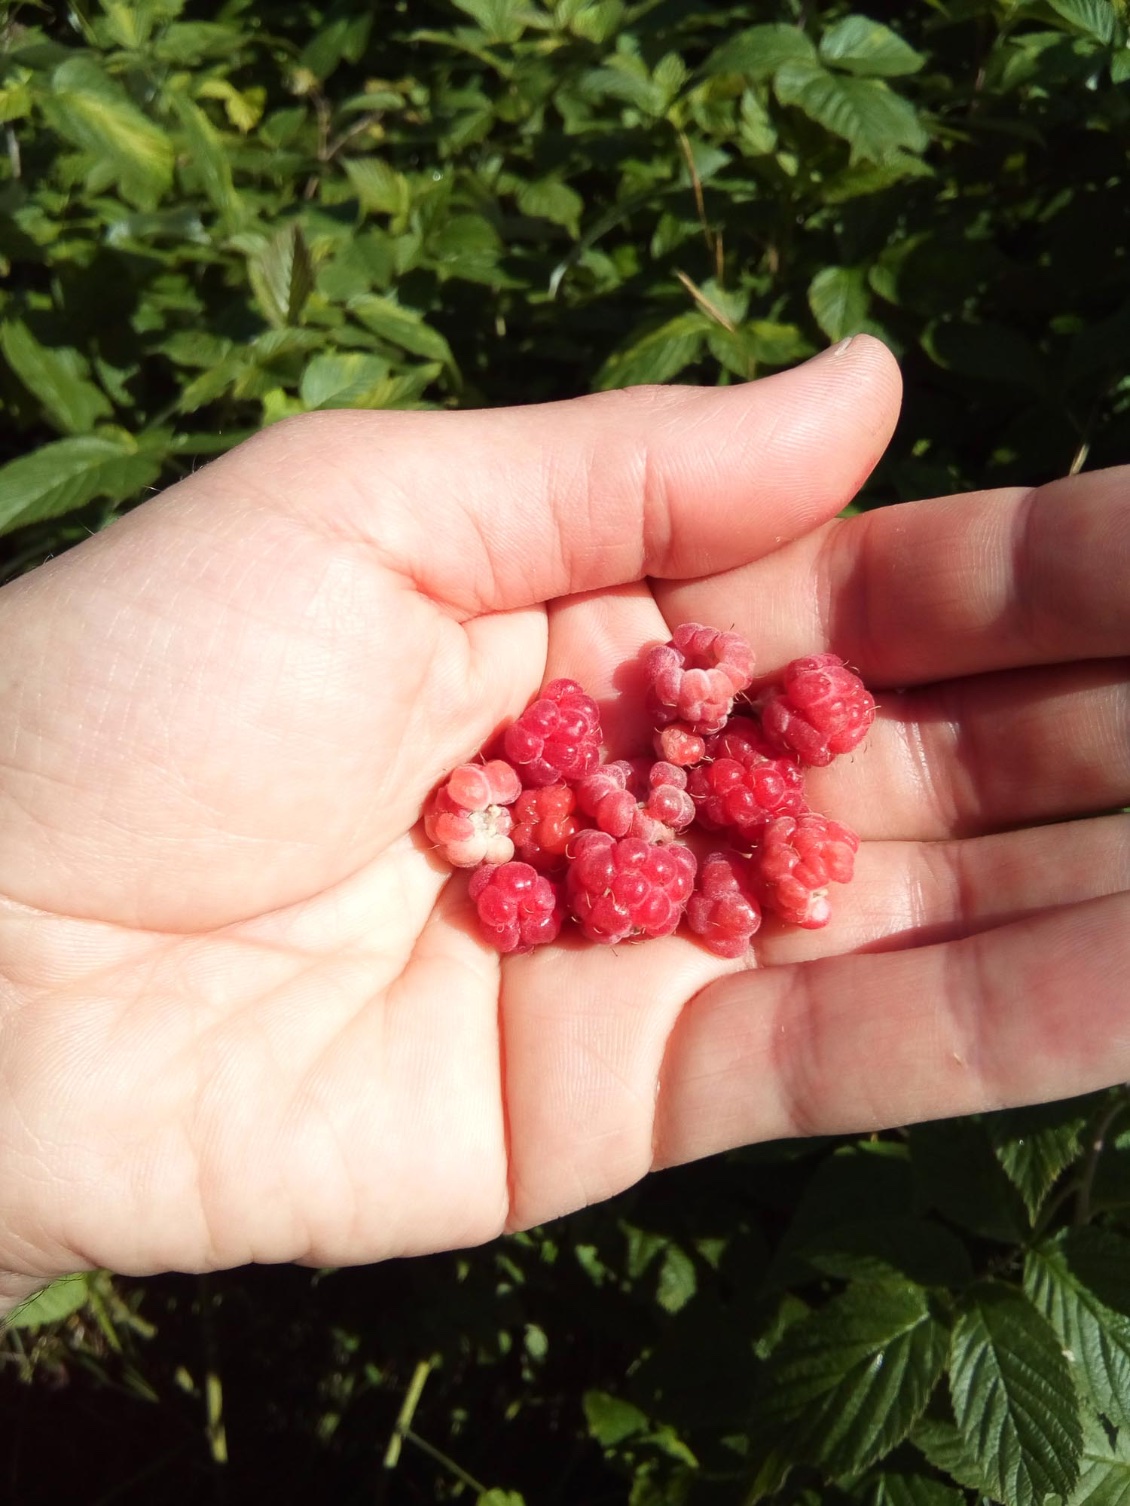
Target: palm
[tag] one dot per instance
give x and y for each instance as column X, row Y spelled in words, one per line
column 250, row 1019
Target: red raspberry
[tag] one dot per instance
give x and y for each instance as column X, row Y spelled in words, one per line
column 545, row 822
column 696, row 676
column 820, row 709
column 797, row 859
column 518, row 907
column 679, row 744
column 557, row 738
column 634, row 799
column 467, row 817
column 723, row 911
column 746, row 784
column 618, row 889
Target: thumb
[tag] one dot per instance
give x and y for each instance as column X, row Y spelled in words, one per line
column 487, row 511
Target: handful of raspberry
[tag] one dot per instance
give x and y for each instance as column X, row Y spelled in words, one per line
column 553, row 833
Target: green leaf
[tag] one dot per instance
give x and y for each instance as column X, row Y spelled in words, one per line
column 847, row 1383
column 1095, row 1339
column 343, row 379
column 987, row 352
column 58, row 376
column 501, row 20
column 1101, row 1259
column 874, row 120
column 69, row 473
column 129, row 150
column 866, row 47
column 611, row 1419
column 759, row 51
column 891, row 1489
column 208, row 157
column 947, row 1451
column 550, row 199
column 839, row 299
column 53, row 1303
column 1094, row 18
column 956, row 1172
column 678, row 1280
column 1013, row 1397
column 403, row 327
column 501, row 1498
column 1035, row 1146
column 657, row 356
column 282, row 275
column 1104, row 1474
column 380, row 189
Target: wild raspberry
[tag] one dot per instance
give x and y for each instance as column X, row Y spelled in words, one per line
column 618, row 889
column 557, row 738
column 723, row 911
column 545, row 822
column 741, row 786
column 679, row 744
column 638, row 800
column 467, row 817
column 819, row 709
column 798, row 857
column 696, row 676
column 518, row 907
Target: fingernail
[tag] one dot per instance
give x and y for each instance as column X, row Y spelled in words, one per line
column 838, row 350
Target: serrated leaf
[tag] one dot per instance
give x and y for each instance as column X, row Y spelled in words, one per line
column 58, row 376
column 208, row 157
column 846, row 1384
column 891, row 1489
column 95, row 112
column 1094, row 18
column 869, row 48
column 403, row 327
column 1104, row 1472
column 611, row 1419
column 1095, row 1338
column 657, row 356
column 874, row 120
column 1101, row 1259
column 839, row 300
column 945, row 1448
column 550, row 199
column 282, row 275
column 52, row 1304
column 69, row 473
column 380, row 189
column 987, row 352
column 759, row 51
column 956, row 1172
column 501, row 20
column 1013, row 1397
column 1035, row 1146
column 343, row 379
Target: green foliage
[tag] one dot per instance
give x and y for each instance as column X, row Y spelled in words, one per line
column 214, row 216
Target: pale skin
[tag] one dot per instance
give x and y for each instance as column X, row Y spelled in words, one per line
column 244, row 1012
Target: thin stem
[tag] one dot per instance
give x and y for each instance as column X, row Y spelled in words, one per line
column 1087, row 1182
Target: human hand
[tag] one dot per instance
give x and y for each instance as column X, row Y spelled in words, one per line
column 245, row 1013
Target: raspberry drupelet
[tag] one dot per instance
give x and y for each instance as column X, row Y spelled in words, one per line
column 819, row 709
column 637, row 799
column 744, row 781
column 723, row 911
column 695, row 677
column 467, row 817
column 797, row 858
column 557, row 739
column 518, row 907
column 545, row 822
column 619, row 889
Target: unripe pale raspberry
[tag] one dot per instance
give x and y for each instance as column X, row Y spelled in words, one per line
column 619, row 889
column 467, row 817
column 819, row 709
column 557, row 738
column 723, row 912
column 695, row 677
column 518, row 907
column 545, row 822
column 743, row 787
column 798, row 857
